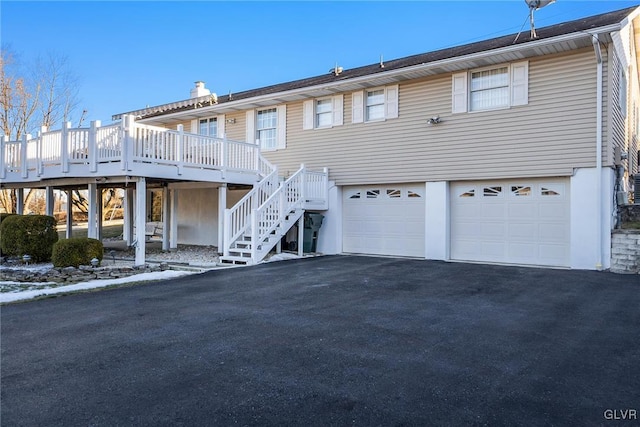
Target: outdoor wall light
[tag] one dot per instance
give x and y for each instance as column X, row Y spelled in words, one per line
column 434, row 120
column 231, row 121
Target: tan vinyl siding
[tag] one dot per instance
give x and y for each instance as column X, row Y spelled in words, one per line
column 237, row 131
column 550, row 136
column 617, row 120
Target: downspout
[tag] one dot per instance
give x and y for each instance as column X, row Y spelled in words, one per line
column 599, row 216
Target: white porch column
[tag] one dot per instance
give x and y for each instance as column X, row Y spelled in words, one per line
column 173, row 235
column 129, row 203
column 20, row 201
column 222, row 205
column 99, row 215
column 585, row 222
column 166, row 219
column 437, row 218
column 141, row 218
column 301, row 236
column 92, row 224
column 49, row 201
column 69, row 229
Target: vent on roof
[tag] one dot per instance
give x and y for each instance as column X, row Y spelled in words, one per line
column 336, row 71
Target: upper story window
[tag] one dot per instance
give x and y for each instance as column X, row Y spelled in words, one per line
column 268, row 126
column 375, row 104
column 491, row 88
column 322, row 112
column 208, row 127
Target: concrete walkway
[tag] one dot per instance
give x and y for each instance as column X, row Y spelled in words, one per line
column 330, row 341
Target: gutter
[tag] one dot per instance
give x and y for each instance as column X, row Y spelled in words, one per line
column 239, row 104
column 599, row 215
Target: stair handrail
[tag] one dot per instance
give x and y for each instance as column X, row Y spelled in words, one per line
column 266, row 218
column 237, row 219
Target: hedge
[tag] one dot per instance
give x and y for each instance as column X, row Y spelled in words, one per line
column 32, row 235
column 76, row 251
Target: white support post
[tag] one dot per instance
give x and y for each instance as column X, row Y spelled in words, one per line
column 227, row 233
column 303, row 186
column 129, row 203
column 222, row 206
column 99, row 215
column 3, row 168
column 257, row 156
column 166, row 219
column 49, row 200
column 173, row 236
column 180, row 148
column 39, row 165
column 301, row 236
column 69, row 229
column 140, row 218
column 254, row 236
column 20, row 201
column 64, row 146
column 23, row 155
column 93, row 146
column 92, row 229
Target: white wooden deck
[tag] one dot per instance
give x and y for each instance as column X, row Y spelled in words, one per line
column 128, row 149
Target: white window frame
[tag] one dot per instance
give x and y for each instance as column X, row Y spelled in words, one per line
column 220, row 120
column 253, row 132
column 208, row 120
column 518, row 87
column 359, row 104
column 310, row 112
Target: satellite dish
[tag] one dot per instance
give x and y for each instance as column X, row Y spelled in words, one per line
column 533, row 6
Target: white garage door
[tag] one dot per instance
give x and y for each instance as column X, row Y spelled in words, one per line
column 519, row 222
column 384, row 220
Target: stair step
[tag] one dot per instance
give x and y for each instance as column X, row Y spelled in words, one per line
column 234, row 260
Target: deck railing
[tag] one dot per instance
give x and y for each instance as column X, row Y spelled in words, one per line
column 128, row 143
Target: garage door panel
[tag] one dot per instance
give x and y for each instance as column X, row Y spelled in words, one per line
column 523, row 222
column 519, row 231
column 390, row 220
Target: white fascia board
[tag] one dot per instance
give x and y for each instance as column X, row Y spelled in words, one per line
column 307, row 91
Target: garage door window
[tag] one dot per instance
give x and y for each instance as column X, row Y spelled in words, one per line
column 548, row 192
column 468, row 193
column 520, row 191
column 394, row 194
column 492, row 191
column 373, row 194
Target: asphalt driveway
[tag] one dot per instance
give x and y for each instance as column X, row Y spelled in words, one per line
column 330, row 341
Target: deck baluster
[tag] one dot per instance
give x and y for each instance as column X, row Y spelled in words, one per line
column 93, row 146
column 64, row 146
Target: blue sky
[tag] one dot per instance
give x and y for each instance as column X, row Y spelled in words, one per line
column 128, row 55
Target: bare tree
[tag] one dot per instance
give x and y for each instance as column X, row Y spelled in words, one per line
column 58, row 96
column 43, row 92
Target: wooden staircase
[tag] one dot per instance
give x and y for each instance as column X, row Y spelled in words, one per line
column 241, row 251
column 257, row 223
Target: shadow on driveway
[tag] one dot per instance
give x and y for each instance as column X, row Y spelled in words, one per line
column 330, row 341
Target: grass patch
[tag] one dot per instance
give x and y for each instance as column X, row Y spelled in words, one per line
column 108, row 232
column 633, row 225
